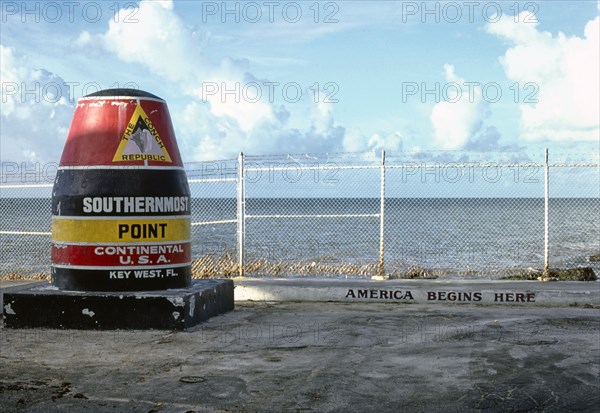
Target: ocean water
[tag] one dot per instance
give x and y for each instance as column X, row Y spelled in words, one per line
column 480, row 237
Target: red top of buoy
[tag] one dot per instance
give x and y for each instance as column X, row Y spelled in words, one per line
column 121, row 127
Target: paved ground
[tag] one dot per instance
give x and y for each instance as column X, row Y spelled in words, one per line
column 321, row 357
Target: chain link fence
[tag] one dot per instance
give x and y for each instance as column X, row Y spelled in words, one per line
column 463, row 216
column 25, row 205
column 323, row 220
column 403, row 215
column 213, row 187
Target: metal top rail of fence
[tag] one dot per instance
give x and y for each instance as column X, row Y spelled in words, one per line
column 395, row 214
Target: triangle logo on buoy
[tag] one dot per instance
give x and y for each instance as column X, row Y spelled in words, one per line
column 141, row 141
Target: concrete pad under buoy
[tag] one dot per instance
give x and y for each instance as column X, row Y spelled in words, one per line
column 46, row 306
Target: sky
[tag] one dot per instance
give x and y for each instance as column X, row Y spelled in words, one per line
column 271, row 77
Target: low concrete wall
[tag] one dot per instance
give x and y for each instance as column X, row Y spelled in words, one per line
column 526, row 293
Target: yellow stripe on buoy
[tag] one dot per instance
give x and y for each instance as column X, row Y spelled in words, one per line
column 120, row 230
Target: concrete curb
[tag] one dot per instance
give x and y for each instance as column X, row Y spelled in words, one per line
column 479, row 292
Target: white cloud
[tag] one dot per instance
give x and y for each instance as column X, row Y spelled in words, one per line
column 564, row 70
column 247, row 114
column 235, row 94
column 222, row 116
column 354, row 141
column 204, row 136
column 457, row 120
column 391, row 141
column 35, row 112
column 155, row 37
column 12, row 74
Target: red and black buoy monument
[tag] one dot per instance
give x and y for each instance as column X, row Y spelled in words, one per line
column 121, row 239
column 121, row 202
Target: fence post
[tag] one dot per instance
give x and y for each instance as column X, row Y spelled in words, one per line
column 546, row 273
column 380, row 265
column 241, row 214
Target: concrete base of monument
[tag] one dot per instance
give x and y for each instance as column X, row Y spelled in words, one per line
column 448, row 291
column 43, row 305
